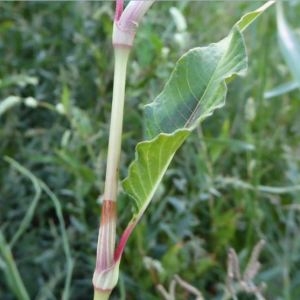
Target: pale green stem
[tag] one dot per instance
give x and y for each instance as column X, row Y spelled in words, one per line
column 116, row 124
column 115, row 138
column 99, row 295
column 280, row 13
column 106, row 274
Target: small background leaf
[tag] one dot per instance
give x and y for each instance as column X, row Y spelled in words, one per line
column 282, row 89
column 289, row 43
column 8, row 103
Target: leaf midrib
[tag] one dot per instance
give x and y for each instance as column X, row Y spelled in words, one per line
column 189, row 121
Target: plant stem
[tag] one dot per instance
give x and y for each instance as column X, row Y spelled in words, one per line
column 98, row 295
column 106, row 272
column 116, row 123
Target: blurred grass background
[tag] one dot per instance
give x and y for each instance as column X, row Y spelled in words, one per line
column 236, row 181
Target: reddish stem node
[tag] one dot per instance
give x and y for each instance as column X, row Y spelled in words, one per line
column 109, row 211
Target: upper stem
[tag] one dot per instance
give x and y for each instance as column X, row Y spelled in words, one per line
column 107, row 267
column 116, row 124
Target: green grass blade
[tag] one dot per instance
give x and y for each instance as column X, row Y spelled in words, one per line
column 11, row 271
column 66, row 246
column 58, row 209
column 25, row 223
column 282, row 89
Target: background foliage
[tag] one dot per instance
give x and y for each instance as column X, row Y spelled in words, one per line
column 234, row 182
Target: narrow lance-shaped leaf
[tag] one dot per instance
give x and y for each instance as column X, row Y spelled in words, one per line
column 282, row 89
column 195, row 89
column 289, row 43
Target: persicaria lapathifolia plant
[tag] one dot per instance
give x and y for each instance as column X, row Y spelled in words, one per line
column 196, row 87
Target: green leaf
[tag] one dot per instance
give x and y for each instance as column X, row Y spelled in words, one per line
column 248, row 18
column 197, row 85
column 289, row 43
column 65, row 99
column 21, row 80
column 8, row 103
column 282, row 89
column 10, row 270
column 196, row 88
column 153, row 159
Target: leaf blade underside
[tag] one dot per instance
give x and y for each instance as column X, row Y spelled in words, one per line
column 196, row 87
